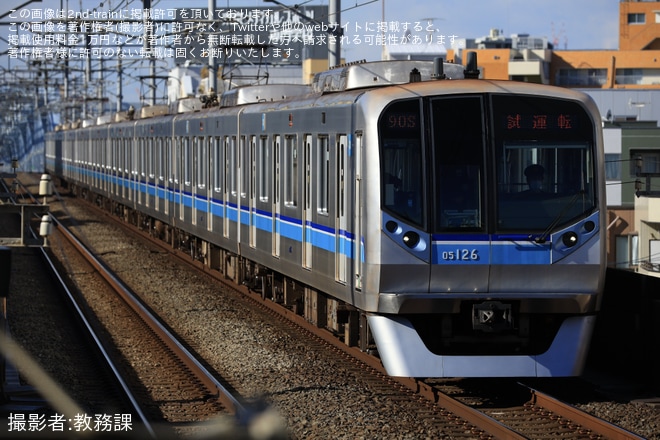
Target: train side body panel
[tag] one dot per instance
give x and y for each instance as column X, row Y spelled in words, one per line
column 353, row 195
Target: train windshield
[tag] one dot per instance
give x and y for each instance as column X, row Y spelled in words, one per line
column 526, row 161
column 402, row 161
column 544, row 162
column 458, row 163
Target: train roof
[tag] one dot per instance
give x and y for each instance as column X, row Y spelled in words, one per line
column 383, row 73
column 353, row 80
column 262, row 93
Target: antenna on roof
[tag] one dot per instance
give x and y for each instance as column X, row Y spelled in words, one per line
column 438, row 69
column 472, row 71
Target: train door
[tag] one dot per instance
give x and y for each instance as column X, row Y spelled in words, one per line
column 135, row 154
column 98, row 161
column 160, row 173
column 167, row 170
column 116, row 165
column 276, row 196
column 241, row 185
column 185, row 180
column 212, row 179
column 91, row 161
column 176, row 183
column 125, row 172
column 218, row 184
column 341, row 249
column 101, row 163
column 111, row 163
column 307, row 204
column 107, row 164
column 264, row 181
column 226, row 187
column 357, row 212
column 150, row 184
column 140, row 172
column 252, row 192
column 195, row 176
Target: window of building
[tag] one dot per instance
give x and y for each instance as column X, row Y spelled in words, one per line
column 626, row 251
column 636, row 18
column 638, row 76
column 612, row 166
column 650, row 161
column 581, row 77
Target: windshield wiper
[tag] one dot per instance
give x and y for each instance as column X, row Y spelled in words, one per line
column 540, row 239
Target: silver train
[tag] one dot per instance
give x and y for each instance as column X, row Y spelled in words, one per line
column 455, row 225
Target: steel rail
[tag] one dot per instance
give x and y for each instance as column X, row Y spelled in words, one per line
column 477, row 418
column 586, row 420
column 104, row 353
column 173, row 343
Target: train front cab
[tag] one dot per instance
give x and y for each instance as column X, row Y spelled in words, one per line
column 506, row 235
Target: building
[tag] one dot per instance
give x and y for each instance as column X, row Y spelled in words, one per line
column 519, row 57
column 635, row 65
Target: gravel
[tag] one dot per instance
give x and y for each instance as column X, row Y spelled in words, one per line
column 310, row 393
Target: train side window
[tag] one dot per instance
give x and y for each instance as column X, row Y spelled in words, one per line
column 126, row 160
column 308, row 172
column 226, row 164
column 151, row 158
column 166, row 158
column 200, row 162
column 160, row 154
column 253, row 166
column 276, row 169
column 291, row 170
column 136, row 158
column 244, row 161
column 323, row 173
column 233, row 166
column 108, row 154
column 176, row 160
column 264, row 168
column 112, row 155
column 216, row 165
column 402, row 161
column 142, row 157
column 187, row 163
column 341, row 176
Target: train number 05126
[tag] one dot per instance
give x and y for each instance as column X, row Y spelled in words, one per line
column 461, row 255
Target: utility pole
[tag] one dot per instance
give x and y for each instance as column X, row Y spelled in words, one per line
column 334, row 45
column 213, row 74
column 120, row 95
column 148, row 46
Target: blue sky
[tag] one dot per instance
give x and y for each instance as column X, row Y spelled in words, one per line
column 575, row 24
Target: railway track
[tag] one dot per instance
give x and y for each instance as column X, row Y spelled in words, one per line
column 437, row 403
column 170, row 385
column 163, row 382
column 540, row 416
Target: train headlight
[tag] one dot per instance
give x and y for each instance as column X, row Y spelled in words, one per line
column 411, row 239
column 569, row 239
column 392, row 226
column 589, row 226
